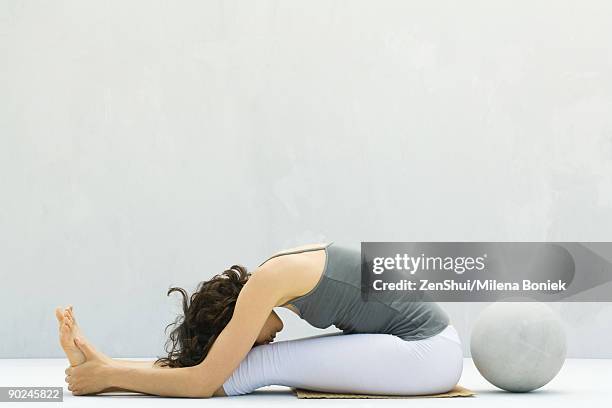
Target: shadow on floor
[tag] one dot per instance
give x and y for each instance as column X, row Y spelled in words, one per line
column 530, row 395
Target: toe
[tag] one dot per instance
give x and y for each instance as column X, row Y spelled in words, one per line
column 59, row 315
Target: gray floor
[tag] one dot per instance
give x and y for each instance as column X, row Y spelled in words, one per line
column 579, row 382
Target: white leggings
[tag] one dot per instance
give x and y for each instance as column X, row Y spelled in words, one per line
column 354, row 363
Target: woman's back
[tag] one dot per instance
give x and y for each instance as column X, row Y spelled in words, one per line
column 336, row 300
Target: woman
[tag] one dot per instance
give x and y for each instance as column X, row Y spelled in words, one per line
column 223, row 343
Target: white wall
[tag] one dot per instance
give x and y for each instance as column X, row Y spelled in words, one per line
column 145, row 144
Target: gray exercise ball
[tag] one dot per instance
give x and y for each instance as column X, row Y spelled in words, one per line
column 518, row 346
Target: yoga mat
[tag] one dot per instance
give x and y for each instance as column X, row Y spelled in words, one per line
column 458, row 391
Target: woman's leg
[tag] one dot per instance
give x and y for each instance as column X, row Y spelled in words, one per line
column 354, row 363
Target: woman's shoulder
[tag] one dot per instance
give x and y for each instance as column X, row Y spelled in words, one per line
column 301, row 248
column 293, row 271
column 293, row 255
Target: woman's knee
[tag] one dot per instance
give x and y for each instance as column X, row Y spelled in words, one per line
column 446, row 365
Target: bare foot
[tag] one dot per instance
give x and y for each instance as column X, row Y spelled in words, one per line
column 68, row 330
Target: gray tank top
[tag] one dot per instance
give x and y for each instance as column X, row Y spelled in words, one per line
column 336, row 300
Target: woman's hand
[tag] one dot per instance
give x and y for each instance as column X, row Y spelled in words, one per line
column 91, row 377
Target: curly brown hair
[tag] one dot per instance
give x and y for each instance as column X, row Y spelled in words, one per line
column 205, row 315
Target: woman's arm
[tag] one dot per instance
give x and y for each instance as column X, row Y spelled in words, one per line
column 254, row 304
column 148, row 364
column 131, row 363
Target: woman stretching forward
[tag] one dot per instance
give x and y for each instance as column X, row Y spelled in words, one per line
column 223, row 345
